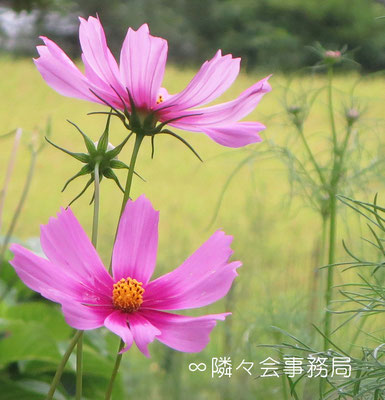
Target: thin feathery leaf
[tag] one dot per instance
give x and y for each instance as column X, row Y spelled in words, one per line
column 168, row 132
column 82, row 157
column 85, row 170
column 80, row 194
column 87, row 141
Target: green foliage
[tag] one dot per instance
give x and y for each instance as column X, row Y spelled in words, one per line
column 267, row 33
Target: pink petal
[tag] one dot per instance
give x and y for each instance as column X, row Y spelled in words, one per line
column 235, row 135
column 84, row 317
column 142, row 63
column 116, row 322
column 102, row 68
column 202, row 279
column 60, row 72
column 182, row 333
column 51, row 281
column 67, row 246
column 210, row 119
column 136, row 244
column 213, row 79
column 143, row 331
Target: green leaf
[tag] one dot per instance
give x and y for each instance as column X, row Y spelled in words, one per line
column 25, row 390
column 26, row 341
column 87, row 141
column 118, row 164
column 103, row 141
column 31, row 331
column 114, row 152
column 82, row 157
column 86, row 169
column 44, row 314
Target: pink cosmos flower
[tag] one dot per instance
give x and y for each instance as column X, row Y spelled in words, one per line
column 128, row 303
column 140, row 74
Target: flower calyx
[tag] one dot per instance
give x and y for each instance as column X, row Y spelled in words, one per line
column 143, row 122
column 101, row 155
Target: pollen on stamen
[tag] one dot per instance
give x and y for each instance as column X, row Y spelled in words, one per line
column 127, row 295
column 160, row 99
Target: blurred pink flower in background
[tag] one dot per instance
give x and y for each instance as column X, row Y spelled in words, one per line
column 128, row 303
column 140, row 75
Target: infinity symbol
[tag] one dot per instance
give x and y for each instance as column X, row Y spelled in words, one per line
column 197, row 367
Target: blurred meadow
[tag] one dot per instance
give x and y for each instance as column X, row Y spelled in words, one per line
column 253, row 193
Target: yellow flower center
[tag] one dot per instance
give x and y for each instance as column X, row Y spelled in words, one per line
column 160, row 99
column 127, row 295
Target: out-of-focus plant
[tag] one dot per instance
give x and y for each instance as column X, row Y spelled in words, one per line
column 363, row 300
column 337, row 162
column 340, row 169
column 35, row 146
column 322, row 167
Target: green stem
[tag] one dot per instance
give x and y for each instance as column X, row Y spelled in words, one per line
column 334, row 182
column 95, row 221
column 95, row 225
column 8, row 174
column 62, row 365
column 357, row 333
column 127, row 190
column 79, row 367
column 330, row 106
column 19, row 207
column 114, row 371
column 345, row 143
column 331, row 258
column 310, row 153
column 78, row 337
column 284, row 387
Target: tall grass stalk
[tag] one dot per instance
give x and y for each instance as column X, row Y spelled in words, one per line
column 8, row 174
column 20, row 204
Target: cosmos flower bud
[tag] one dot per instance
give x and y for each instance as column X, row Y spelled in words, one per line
column 297, row 114
column 294, row 110
column 110, row 146
column 100, row 154
column 332, row 56
column 352, row 115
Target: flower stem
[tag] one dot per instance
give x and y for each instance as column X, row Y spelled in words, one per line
column 20, row 205
column 77, row 340
column 95, row 221
column 330, row 106
column 330, row 274
column 79, row 367
column 114, row 371
column 310, row 154
column 333, row 190
column 62, row 365
column 127, row 190
column 10, row 167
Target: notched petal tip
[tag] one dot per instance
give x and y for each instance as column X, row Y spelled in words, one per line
column 142, row 200
column 144, row 28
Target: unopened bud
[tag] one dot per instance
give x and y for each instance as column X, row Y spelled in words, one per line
column 295, row 110
column 352, row 115
column 110, row 146
column 332, row 56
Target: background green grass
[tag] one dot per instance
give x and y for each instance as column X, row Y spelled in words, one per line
column 275, row 235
